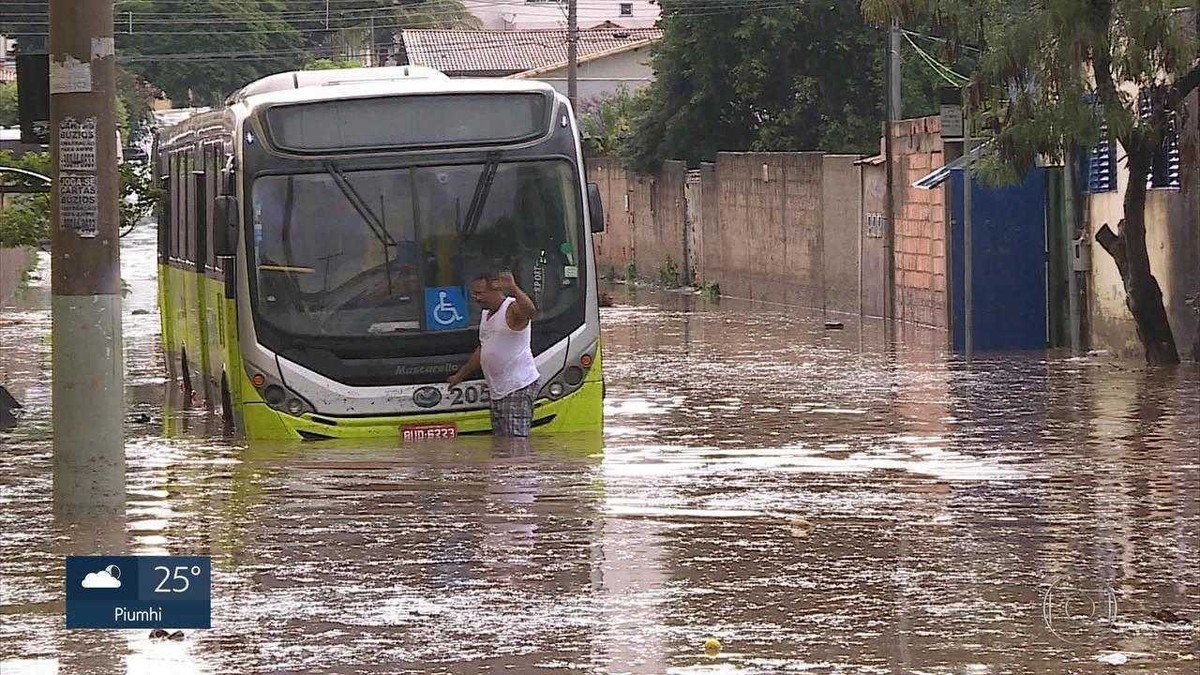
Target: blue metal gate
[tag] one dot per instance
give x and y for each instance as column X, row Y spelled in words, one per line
column 1008, row 265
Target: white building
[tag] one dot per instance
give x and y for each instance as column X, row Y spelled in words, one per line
column 538, row 14
column 610, row 59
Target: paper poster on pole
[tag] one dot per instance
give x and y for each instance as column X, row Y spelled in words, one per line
column 77, row 144
column 70, row 76
column 77, row 204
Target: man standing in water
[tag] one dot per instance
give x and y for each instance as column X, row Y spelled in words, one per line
column 504, row 352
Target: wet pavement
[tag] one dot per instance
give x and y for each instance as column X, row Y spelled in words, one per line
column 816, row 502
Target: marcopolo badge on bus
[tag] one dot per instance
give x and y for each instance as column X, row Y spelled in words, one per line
column 139, row 592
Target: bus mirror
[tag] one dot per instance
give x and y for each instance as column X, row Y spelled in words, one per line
column 225, row 225
column 595, row 207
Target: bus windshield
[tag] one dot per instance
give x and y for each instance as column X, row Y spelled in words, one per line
column 351, row 253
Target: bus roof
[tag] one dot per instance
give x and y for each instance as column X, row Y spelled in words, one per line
column 322, row 85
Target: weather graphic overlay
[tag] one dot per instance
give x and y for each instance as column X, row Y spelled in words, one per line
column 139, row 592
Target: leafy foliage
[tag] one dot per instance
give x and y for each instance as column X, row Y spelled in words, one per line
column 329, row 64
column 1051, row 75
column 255, row 30
column 26, row 221
column 805, row 77
column 605, row 121
column 8, row 104
column 197, row 61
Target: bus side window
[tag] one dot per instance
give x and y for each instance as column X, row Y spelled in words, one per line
column 189, row 178
column 200, row 219
column 212, row 182
column 176, row 198
column 163, row 176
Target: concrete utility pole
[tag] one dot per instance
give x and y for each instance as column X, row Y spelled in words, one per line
column 87, row 361
column 572, row 50
column 893, row 114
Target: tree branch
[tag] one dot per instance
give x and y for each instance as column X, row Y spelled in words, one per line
column 1114, row 244
column 1184, row 86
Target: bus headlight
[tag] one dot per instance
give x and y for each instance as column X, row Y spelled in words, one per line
column 278, row 396
column 555, row 390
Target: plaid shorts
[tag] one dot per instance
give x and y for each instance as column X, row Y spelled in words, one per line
column 513, row 414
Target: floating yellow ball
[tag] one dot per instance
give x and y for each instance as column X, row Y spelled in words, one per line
column 712, row 645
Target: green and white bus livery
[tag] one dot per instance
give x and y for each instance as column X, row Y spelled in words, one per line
column 319, row 233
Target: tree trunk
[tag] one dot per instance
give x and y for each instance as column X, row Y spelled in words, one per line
column 1127, row 247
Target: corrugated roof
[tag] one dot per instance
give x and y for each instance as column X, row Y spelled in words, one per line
column 504, row 52
column 8, row 73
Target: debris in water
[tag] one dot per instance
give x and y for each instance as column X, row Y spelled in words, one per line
column 158, row 634
column 712, row 646
column 1113, row 659
column 1167, row 616
column 177, row 636
column 140, row 312
column 834, row 325
column 8, row 404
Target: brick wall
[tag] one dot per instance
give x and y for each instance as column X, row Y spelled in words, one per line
column 920, row 224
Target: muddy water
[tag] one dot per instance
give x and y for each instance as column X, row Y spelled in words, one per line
column 814, row 501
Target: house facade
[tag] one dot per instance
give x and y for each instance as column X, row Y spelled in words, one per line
column 608, row 59
column 543, row 14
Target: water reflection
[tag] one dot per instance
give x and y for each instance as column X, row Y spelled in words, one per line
column 816, row 501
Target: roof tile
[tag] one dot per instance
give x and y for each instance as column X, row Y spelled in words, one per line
column 504, row 52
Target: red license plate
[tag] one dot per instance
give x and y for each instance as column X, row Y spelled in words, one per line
column 427, row 432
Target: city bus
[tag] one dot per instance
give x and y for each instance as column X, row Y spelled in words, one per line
column 319, row 232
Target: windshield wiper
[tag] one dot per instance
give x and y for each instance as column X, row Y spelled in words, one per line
column 482, row 187
column 373, row 221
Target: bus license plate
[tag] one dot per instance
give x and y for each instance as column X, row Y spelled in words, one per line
column 427, row 432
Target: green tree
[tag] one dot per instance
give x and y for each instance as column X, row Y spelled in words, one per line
column 198, row 62
column 26, row 221
column 605, row 122
column 1050, row 74
column 736, row 78
column 8, row 104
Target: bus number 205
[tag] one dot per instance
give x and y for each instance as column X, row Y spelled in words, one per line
column 469, row 394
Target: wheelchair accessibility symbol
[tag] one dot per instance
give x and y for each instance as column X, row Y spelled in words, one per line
column 445, row 308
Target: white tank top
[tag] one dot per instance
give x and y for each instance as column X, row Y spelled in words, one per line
column 504, row 353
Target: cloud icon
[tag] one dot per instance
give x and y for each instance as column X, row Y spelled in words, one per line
column 103, row 579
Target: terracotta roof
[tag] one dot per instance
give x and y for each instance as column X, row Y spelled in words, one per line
column 8, row 73
column 537, row 72
column 504, row 52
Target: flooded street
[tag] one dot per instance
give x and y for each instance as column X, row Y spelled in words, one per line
column 814, row 501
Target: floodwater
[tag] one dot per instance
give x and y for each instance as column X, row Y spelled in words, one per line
column 816, row 502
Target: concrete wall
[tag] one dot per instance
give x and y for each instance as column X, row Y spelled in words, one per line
column 14, row 262
column 841, row 203
column 644, row 218
column 874, row 258
column 779, row 227
column 920, row 224
column 1173, row 244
